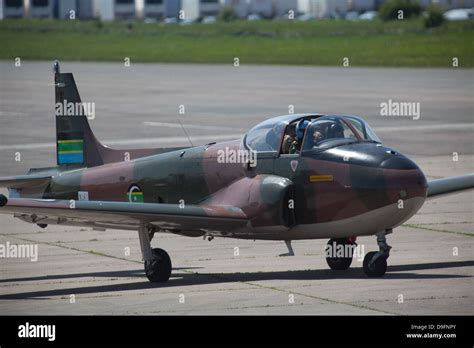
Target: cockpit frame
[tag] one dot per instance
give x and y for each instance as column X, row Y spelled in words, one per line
column 267, row 137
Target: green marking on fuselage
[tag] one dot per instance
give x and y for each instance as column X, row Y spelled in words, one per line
column 136, row 197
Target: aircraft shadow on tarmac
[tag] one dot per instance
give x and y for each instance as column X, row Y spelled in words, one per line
column 108, row 274
column 187, row 279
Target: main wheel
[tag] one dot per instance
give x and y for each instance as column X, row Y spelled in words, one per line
column 336, row 262
column 377, row 268
column 158, row 269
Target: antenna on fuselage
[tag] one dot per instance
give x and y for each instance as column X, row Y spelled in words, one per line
column 186, row 133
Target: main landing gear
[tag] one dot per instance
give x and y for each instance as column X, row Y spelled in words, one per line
column 157, row 261
column 375, row 262
column 339, row 253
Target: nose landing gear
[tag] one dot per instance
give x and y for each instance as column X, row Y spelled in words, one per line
column 375, row 262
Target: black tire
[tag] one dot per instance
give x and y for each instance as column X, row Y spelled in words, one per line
column 339, row 263
column 377, row 268
column 158, row 270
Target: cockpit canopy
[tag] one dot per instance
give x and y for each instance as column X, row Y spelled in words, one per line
column 323, row 132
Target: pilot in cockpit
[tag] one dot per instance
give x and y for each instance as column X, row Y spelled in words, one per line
column 289, row 138
column 295, row 146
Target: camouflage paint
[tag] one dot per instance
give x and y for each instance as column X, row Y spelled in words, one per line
column 323, row 186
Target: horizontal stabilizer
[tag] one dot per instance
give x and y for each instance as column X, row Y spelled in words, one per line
column 23, row 181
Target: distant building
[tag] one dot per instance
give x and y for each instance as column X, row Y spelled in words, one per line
column 195, row 9
column 39, row 8
column 12, row 9
column 240, row 7
column 172, row 8
column 304, row 7
column 323, row 8
column 449, row 4
column 151, row 9
column 85, row 9
column 263, row 8
column 62, row 9
column 361, row 5
column 282, row 7
column 109, row 10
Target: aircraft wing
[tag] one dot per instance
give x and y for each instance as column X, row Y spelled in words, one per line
column 450, row 185
column 125, row 215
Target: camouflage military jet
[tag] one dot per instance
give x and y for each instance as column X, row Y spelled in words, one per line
column 340, row 182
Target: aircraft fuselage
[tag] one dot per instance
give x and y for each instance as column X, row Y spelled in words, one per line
column 364, row 183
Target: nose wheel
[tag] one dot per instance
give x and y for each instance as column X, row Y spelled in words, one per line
column 375, row 262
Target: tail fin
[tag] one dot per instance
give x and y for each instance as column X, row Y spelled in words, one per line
column 76, row 144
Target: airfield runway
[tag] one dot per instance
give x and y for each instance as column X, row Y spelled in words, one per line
column 81, row 271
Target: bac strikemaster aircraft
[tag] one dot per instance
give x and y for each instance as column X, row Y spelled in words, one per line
column 308, row 176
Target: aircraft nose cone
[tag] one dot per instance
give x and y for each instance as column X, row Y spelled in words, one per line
column 403, row 175
column 405, row 178
column 406, row 188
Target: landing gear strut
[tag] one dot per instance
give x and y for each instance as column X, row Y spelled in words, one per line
column 290, row 249
column 339, row 253
column 157, row 261
column 375, row 262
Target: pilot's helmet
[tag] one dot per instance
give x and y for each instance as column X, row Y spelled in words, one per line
column 336, row 131
column 300, row 128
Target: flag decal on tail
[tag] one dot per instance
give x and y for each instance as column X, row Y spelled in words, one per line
column 70, row 151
